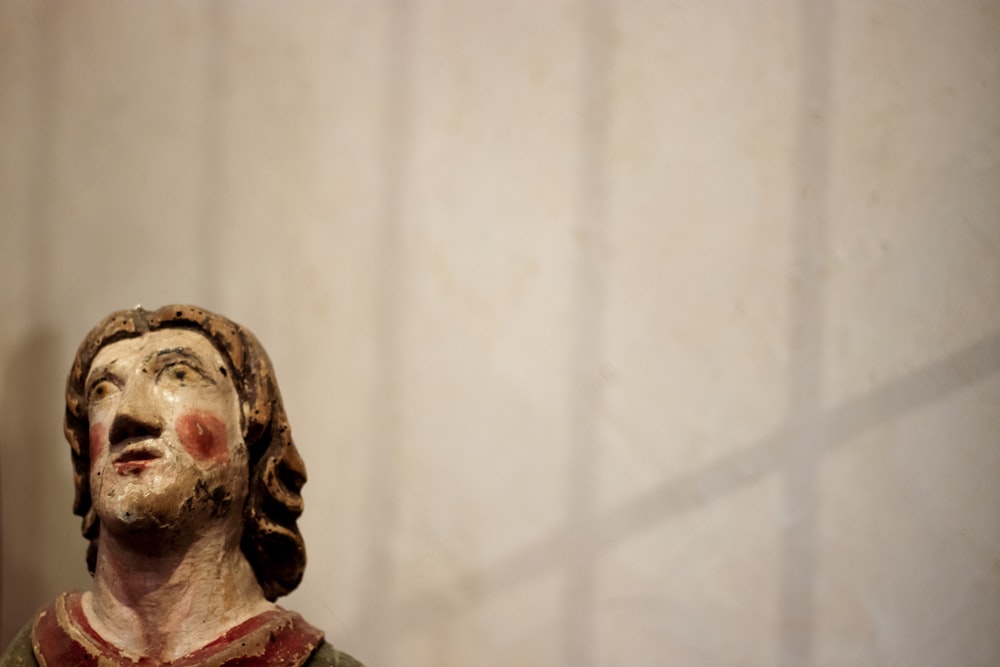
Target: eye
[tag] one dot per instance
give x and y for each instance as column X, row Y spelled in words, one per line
column 180, row 373
column 101, row 390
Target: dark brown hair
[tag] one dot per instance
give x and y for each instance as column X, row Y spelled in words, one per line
column 271, row 540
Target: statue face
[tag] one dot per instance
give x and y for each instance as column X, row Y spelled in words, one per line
column 166, row 448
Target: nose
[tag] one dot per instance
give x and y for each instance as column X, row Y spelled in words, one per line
column 136, row 419
column 127, row 427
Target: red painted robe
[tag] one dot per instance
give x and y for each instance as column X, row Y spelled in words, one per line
column 62, row 636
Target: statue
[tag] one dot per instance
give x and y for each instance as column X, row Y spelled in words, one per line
column 188, row 483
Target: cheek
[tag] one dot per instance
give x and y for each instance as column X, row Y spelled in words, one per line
column 204, row 436
column 98, row 441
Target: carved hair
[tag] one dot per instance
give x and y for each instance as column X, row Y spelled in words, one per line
column 271, row 540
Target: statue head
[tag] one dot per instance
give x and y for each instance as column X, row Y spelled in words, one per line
column 270, row 538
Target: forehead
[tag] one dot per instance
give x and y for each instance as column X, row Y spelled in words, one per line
column 138, row 350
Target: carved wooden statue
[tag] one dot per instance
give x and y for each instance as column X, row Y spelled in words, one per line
column 188, row 483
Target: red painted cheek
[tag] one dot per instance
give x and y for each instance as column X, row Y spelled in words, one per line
column 97, row 441
column 204, row 436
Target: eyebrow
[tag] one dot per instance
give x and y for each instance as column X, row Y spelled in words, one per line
column 184, row 352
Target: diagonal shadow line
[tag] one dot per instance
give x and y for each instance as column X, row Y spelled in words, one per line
column 963, row 368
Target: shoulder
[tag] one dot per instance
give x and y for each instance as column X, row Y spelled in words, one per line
column 20, row 653
column 327, row 656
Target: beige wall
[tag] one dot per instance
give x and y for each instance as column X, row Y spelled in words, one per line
column 613, row 333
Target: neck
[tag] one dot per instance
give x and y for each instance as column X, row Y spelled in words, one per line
column 166, row 596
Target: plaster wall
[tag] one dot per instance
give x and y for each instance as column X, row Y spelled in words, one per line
column 612, row 333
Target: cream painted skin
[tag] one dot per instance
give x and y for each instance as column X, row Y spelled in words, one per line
column 169, row 481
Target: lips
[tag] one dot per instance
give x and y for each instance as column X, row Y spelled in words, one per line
column 134, row 460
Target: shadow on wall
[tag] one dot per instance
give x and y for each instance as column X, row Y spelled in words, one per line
column 563, row 548
column 41, row 550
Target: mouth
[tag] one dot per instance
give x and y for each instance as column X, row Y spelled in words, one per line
column 134, row 460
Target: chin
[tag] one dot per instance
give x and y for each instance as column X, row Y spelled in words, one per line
column 136, row 503
column 140, row 515
column 154, row 503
